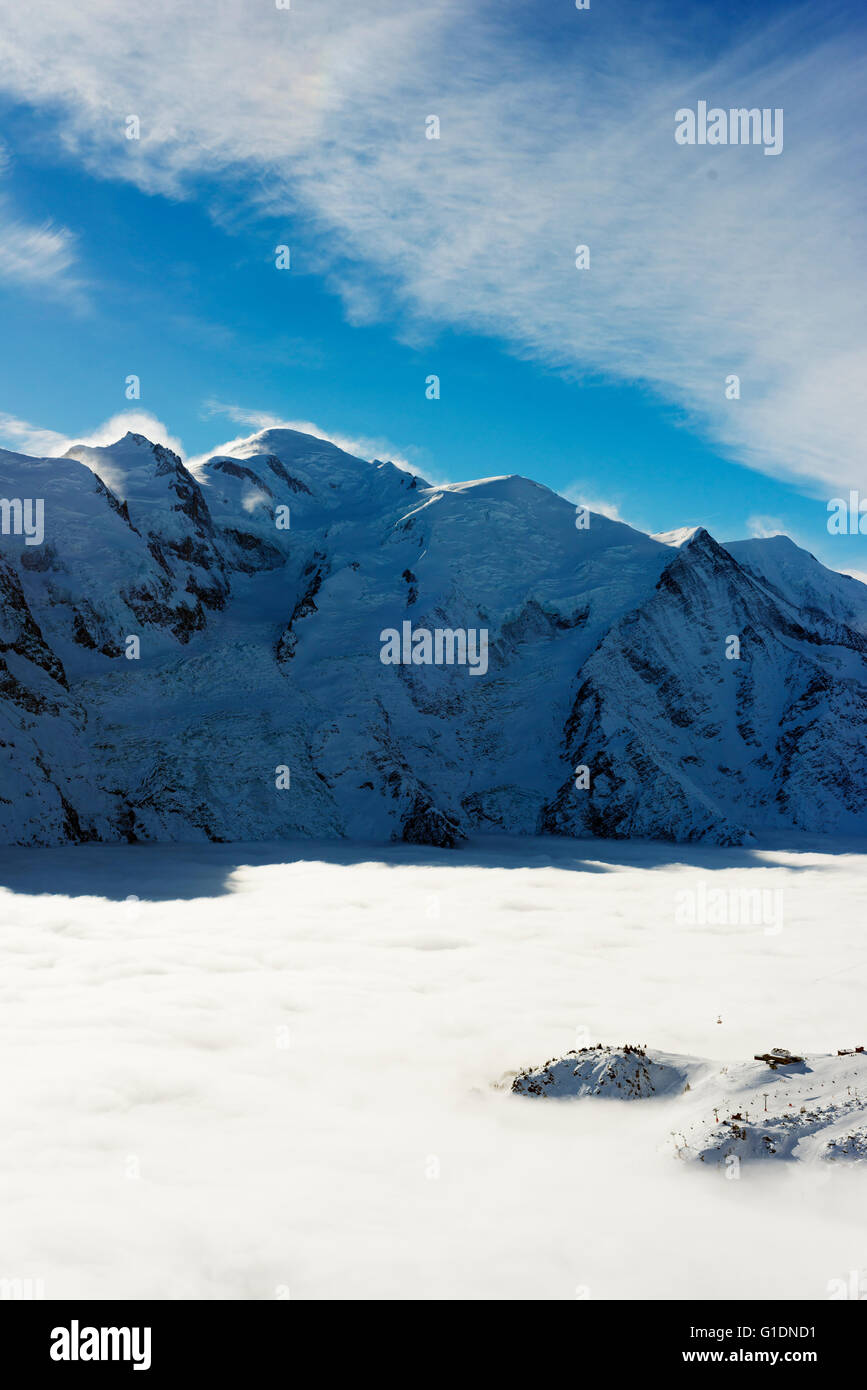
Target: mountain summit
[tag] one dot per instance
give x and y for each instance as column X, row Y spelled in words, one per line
column 198, row 654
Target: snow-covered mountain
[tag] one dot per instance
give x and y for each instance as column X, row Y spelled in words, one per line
column 711, row 691
column 776, row 1106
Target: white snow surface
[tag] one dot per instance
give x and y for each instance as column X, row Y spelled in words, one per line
column 775, row 1106
column 259, row 1071
column 260, row 649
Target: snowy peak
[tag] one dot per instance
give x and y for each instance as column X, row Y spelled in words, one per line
column 798, row 578
column 708, row 692
column 151, row 479
column 678, row 537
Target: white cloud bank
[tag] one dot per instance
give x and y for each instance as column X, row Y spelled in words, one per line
column 705, row 261
column 237, row 1085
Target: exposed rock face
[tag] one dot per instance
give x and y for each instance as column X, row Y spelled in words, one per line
column 259, row 649
column 692, row 746
column 623, row 1073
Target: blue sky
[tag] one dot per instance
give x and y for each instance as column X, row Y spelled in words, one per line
column 456, row 257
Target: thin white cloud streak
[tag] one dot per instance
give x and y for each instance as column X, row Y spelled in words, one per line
column 758, row 272
column 42, row 258
column 20, row 436
column 763, row 527
column 584, row 496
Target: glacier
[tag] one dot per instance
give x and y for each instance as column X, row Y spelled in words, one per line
column 257, row 586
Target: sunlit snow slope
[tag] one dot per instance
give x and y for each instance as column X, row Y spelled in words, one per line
column 260, row 649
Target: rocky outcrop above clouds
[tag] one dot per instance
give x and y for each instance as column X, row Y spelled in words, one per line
column 777, row 1106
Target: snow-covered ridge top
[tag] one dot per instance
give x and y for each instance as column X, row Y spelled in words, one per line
column 133, row 463
column 165, row 611
column 675, row 538
column 776, row 1106
column 508, row 486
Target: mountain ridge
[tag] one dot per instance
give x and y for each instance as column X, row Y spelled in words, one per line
column 257, row 586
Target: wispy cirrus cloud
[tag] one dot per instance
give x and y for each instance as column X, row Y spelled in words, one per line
column 36, row 256
column 41, row 257
column 705, row 262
